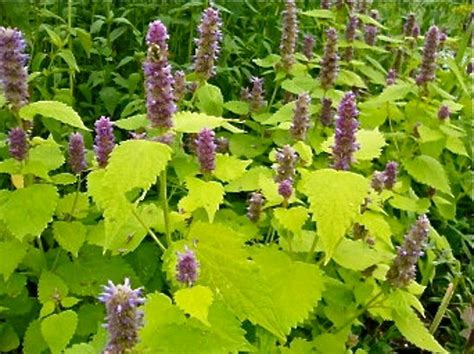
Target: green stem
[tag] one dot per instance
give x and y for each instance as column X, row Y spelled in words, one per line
column 76, row 197
column 275, row 90
column 444, row 305
column 148, row 230
column 164, row 200
column 69, row 27
column 311, row 250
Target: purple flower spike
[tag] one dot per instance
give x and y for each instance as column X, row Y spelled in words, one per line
column 104, row 141
column 124, row 319
column 289, row 35
column 391, row 77
column 430, row 51
column 346, row 127
column 285, row 188
column 470, row 67
column 403, row 269
column 158, row 78
column 350, row 36
column 370, row 34
column 187, row 267
column 443, row 112
column 301, row 117
column 208, row 44
column 378, row 181
column 77, row 152
column 325, row 4
column 409, row 25
column 286, row 159
column 363, row 6
column 18, row 144
column 255, row 205
column 167, row 138
column 308, row 46
column 13, row 69
column 256, row 95
column 206, row 150
column 415, row 32
column 179, row 85
column 329, row 63
column 390, row 173
column 326, row 116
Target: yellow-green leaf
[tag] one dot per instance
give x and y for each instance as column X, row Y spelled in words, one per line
column 427, row 170
column 55, row 110
column 195, row 301
column 229, row 167
column 207, row 195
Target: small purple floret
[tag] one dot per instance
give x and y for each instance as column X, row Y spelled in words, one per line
column 443, row 112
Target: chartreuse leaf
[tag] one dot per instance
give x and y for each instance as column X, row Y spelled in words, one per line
column 410, row 326
column 192, row 122
column 33, row 342
column 237, row 107
column 74, row 205
column 29, row 210
column 357, row 255
column 292, row 219
column 55, row 110
column 43, row 158
column 12, row 253
column 210, row 100
column 58, row 330
column 133, row 123
column 167, row 330
column 249, row 181
column 427, row 170
column 229, row 167
column 195, row 301
column 335, row 198
column 410, row 204
column 82, row 348
column 51, row 288
column 70, row 235
column 9, row 339
column 207, row 195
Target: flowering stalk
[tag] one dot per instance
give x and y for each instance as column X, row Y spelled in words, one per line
column 124, row 318
column 18, row 144
column 443, row 112
column 308, row 46
column 289, row 35
column 208, row 44
column 206, row 150
column 255, row 205
column 286, row 159
column 391, row 77
column 179, row 85
column 285, row 189
column 387, row 178
column 77, row 153
column 346, row 127
column 329, row 62
column 158, row 78
column 300, row 123
column 187, row 267
column 326, row 116
column 403, row 269
column 104, row 141
column 13, row 69
column 428, row 65
column 409, row 25
column 256, row 95
column 350, row 36
column 371, row 31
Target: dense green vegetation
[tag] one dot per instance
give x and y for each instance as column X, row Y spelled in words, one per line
column 275, row 177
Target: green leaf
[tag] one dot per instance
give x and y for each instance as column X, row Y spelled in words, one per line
column 284, row 114
column 247, row 145
column 304, row 152
column 69, row 58
column 411, row 327
column 133, row 123
column 320, row 14
column 36, row 204
column 58, row 330
column 249, row 181
column 63, row 179
column 357, row 255
column 191, row 122
column 167, row 330
column 70, row 235
column 335, row 198
column 33, row 342
column 12, row 253
column 292, row 219
column 229, row 167
column 299, row 84
column 55, row 110
column 237, row 107
column 82, row 348
column 456, row 146
column 268, row 62
column 43, row 158
column 9, row 339
column 85, row 40
column 210, row 100
column 349, row 78
column 195, row 301
column 391, row 93
column 410, row 204
column 74, row 204
column 110, row 97
column 51, row 288
column 427, row 170
column 207, row 195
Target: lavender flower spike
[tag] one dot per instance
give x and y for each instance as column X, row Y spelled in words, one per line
column 285, row 189
column 326, row 116
column 308, row 46
column 409, row 25
column 179, row 85
column 403, row 269
column 289, row 35
column 158, row 78
column 206, row 150
column 18, row 144
column 350, row 36
column 329, row 63
column 208, row 44
column 391, row 77
column 13, row 70
column 256, row 99
column 187, row 267
column 428, row 65
column 77, row 152
column 346, row 127
column 255, row 205
column 286, row 159
column 390, row 174
column 301, row 117
column 104, row 141
column 124, row 319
